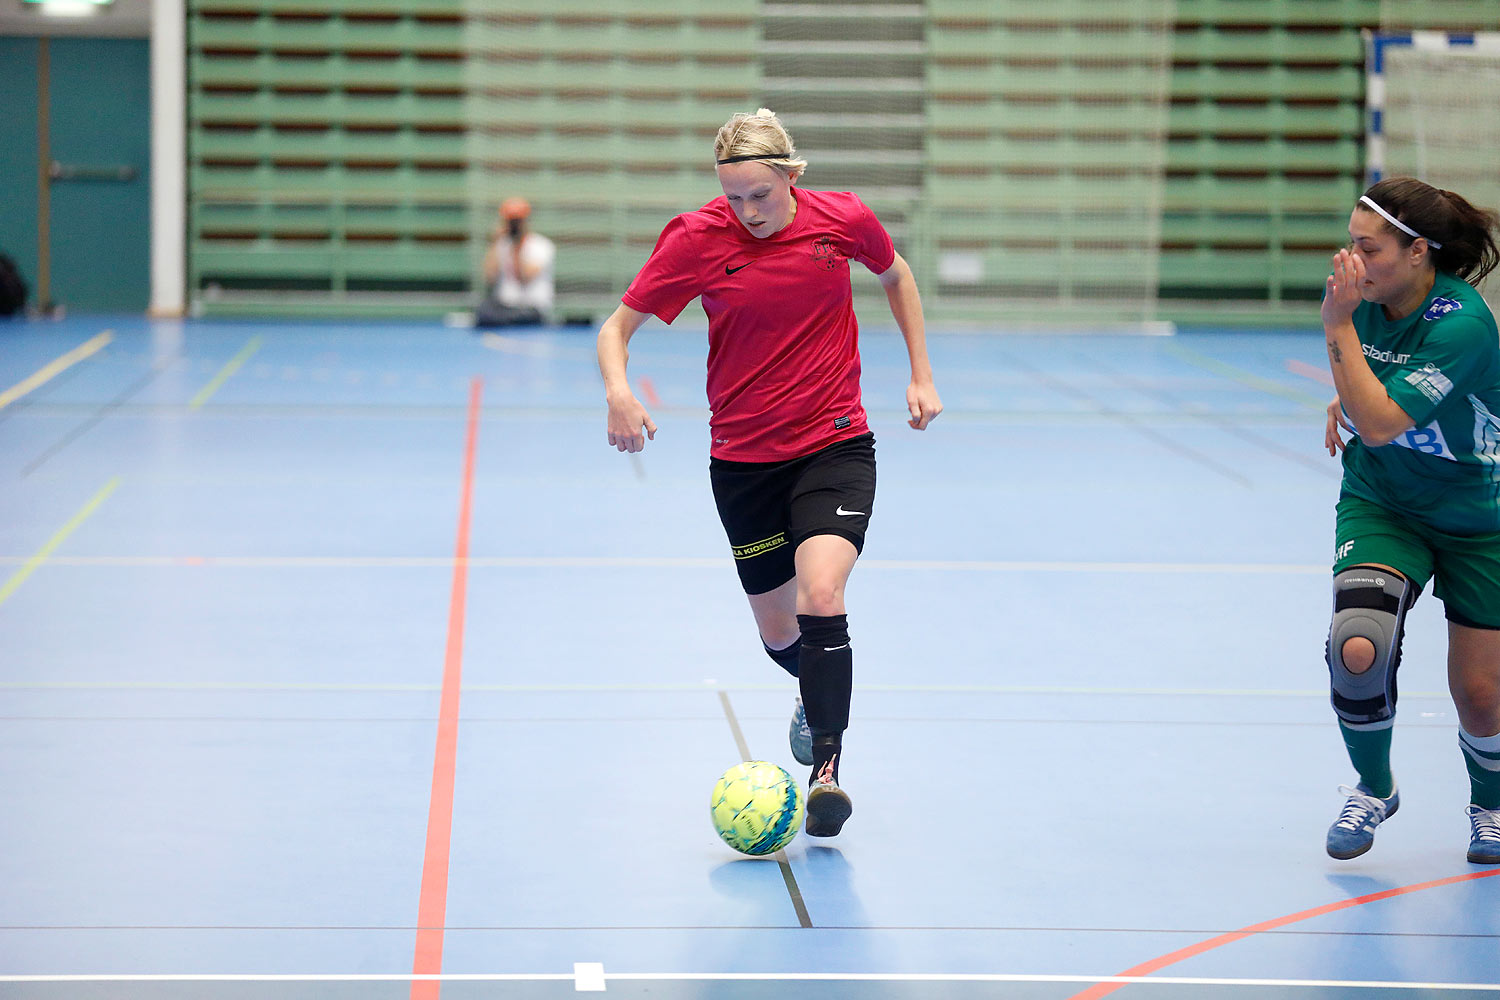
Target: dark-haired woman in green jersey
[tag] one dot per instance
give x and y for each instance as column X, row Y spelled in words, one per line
column 1415, row 356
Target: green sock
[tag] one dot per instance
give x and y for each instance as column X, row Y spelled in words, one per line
column 1370, row 753
column 1482, row 757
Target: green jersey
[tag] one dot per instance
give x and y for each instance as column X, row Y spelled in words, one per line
column 1441, row 364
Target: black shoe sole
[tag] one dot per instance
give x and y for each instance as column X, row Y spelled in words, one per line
column 1352, row 854
column 1475, row 859
column 827, row 809
column 1346, row 857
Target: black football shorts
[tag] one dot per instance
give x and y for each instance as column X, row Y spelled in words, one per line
column 769, row 508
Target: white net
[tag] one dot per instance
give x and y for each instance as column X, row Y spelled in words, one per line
column 850, row 82
column 1441, row 122
column 604, row 115
column 1015, row 151
column 1047, row 159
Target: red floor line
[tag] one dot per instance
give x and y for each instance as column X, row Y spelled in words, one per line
column 1309, row 371
column 1156, row 964
column 648, row 389
column 432, row 908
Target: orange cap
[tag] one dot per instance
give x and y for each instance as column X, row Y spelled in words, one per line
column 515, row 208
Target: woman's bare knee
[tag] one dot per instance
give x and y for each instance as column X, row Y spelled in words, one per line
column 1358, row 654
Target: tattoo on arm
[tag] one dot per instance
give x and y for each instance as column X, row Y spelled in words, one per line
column 1336, row 354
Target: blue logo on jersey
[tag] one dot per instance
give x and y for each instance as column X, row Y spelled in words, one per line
column 1441, row 307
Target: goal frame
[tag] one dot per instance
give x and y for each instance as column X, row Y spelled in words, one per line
column 1377, row 45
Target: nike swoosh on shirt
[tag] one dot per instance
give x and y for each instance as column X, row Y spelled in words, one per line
column 846, row 513
column 731, row 270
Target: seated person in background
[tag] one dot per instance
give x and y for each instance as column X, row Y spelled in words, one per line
column 517, row 271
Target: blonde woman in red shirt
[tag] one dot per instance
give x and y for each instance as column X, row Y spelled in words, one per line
column 792, row 458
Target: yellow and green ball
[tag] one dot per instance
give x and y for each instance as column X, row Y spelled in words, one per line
column 757, row 807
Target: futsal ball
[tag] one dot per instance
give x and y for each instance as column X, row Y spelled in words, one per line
column 757, row 807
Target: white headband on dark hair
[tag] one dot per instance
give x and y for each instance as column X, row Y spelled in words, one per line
column 1408, row 230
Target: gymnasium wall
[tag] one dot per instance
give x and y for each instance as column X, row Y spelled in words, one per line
column 345, row 156
column 78, row 231
column 97, row 120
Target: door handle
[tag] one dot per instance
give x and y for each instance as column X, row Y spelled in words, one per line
column 91, row 172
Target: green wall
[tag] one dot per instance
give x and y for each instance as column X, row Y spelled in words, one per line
column 101, row 101
column 18, row 154
column 99, row 98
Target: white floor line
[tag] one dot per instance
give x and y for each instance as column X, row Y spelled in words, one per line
column 589, row 974
column 588, row 977
column 1007, row 689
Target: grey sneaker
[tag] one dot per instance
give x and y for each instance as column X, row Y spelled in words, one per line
column 828, row 805
column 800, row 736
column 1353, row 833
column 1484, row 847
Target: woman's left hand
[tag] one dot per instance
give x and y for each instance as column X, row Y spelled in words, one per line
column 1332, row 440
column 923, row 404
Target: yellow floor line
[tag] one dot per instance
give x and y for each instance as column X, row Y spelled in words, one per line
column 19, row 577
column 55, row 368
column 233, row 365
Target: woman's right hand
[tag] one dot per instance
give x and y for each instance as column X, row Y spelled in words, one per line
column 627, row 418
column 1332, row 440
column 1341, row 292
column 626, row 414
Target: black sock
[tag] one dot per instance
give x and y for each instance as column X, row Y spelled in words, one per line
column 832, row 749
column 826, row 675
column 785, row 658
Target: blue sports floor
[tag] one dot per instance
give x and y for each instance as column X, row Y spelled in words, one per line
column 348, row 661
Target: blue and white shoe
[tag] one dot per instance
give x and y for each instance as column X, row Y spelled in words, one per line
column 1353, row 833
column 1484, row 846
column 800, row 736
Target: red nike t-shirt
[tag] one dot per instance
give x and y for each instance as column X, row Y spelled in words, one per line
column 783, row 343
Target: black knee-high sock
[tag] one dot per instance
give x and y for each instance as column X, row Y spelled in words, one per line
column 785, row 658
column 826, row 675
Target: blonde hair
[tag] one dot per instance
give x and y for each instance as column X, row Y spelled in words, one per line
column 750, row 135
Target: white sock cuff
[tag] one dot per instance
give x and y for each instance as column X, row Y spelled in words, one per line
column 1483, row 751
column 1488, row 744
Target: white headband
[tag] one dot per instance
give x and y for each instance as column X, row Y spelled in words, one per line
column 1408, row 230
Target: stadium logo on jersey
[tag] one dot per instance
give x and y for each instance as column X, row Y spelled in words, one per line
column 1430, row 380
column 825, row 254
column 1376, row 354
column 1441, row 307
